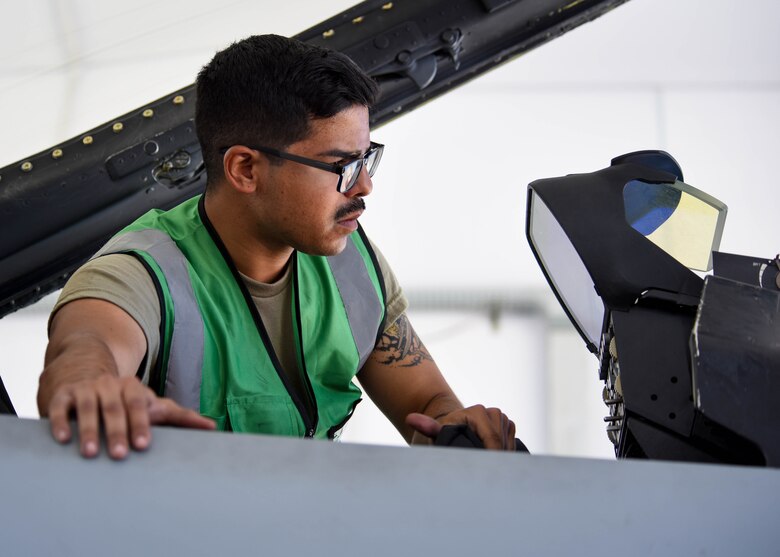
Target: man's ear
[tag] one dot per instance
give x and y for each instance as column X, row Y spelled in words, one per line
column 242, row 166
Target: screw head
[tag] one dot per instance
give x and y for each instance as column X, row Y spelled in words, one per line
column 118, row 127
column 178, row 99
column 56, row 154
column 87, row 140
column 404, row 56
column 26, row 166
column 328, row 34
column 148, row 113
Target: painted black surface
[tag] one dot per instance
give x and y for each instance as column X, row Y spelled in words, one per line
column 6, row 407
column 736, row 361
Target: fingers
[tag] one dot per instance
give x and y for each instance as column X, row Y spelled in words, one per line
column 86, row 404
column 137, row 399
column 491, row 425
column 510, row 435
column 112, row 409
column 90, row 401
column 166, row 411
column 126, row 408
column 507, row 430
column 59, row 408
column 487, row 424
column 423, row 424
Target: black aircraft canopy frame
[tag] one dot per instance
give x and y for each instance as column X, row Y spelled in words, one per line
column 59, row 206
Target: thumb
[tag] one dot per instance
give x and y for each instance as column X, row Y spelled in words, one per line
column 423, row 424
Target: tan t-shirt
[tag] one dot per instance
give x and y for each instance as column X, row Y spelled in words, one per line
column 122, row 280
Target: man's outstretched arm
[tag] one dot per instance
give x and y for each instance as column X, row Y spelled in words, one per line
column 94, row 351
column 402, row 379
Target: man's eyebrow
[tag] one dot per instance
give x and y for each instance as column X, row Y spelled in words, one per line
column 341, row 154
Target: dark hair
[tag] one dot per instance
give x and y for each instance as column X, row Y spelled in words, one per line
column 265, row 89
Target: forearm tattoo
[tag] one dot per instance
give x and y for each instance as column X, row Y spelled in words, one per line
column 399, row 345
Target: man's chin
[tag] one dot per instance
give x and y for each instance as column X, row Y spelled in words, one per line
column 326, row 250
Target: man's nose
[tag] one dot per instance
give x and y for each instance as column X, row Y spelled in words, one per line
column 363, row 186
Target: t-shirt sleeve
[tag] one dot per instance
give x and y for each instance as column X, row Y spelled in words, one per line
column 395, row 300
column 122, row 280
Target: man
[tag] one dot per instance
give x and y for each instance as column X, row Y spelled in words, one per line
column 253, row 307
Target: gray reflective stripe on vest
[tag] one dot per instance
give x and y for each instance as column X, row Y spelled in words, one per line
column 364, row 309
column 185, row 363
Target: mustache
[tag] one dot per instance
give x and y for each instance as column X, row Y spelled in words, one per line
column 356, row 204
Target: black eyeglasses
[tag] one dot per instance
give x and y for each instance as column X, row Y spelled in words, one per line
column 348, row 171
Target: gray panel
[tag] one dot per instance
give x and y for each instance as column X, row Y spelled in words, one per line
column 207, row 493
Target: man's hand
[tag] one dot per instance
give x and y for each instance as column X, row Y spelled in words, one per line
column 94, row 351
column 491, row 425
column 126, row 408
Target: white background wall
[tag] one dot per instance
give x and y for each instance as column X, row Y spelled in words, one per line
column 700, row 79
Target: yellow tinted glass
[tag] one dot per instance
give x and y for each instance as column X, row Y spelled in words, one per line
column 684, row 222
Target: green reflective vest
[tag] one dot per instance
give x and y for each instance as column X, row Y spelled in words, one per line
column 215, row 355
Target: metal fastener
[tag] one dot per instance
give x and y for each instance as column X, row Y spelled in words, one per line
column 56, row 154
column 328, row 34
column 117, row 127
column 148, row 113
column 178, row 99
column 26, row 166
column 358, row 19
column 388, row 6
column 87, row 140
column 151, row 148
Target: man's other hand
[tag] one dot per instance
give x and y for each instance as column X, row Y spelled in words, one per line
column 491, row 425
column 125, row 407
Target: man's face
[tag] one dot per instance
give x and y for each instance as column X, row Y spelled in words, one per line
column 298, row 206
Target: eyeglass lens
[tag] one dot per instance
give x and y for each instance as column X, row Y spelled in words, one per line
column 352, row 171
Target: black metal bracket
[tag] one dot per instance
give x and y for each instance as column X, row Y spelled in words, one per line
column 404, row 50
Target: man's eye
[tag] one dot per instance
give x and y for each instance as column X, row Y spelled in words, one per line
column 346, row 162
